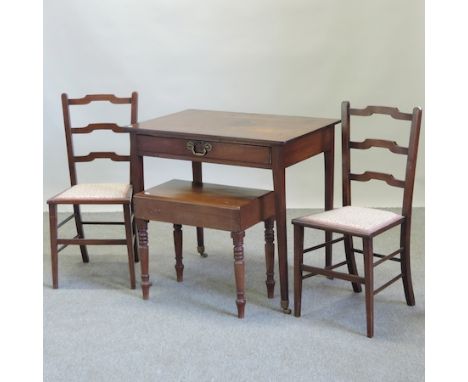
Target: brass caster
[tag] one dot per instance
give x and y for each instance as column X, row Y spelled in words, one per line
column 285, row 307
column 201, row 251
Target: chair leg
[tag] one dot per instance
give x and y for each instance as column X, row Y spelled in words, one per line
column 329, row 164
column 130, row 247
column 53, row 243
column 179, row 266
column 369, row 284
column 298, row 261
column 351, row 261
column 142, row 227
column 270, row 257
column 328, row 252
column 239, row 271
column 405, row 242
column 80, row 231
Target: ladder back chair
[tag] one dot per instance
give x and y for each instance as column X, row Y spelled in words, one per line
column 362, row 222
column 95, row 193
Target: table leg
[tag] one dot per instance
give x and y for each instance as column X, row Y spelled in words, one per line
column 198, row 178
column 329, row 156
column 136, row 167
column 279, row 185
column 270, row 257
column 138, row 183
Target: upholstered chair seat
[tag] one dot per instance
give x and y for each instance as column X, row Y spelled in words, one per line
column 359, row 221
column 96, row 191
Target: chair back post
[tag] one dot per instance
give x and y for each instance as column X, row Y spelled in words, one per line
column 69, row 139
column 411, row 162
column 345, row 150
column 134, row 108
column 133, row 120
column 69, row 130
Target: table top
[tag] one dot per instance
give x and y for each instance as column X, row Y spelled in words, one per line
column 224, row 125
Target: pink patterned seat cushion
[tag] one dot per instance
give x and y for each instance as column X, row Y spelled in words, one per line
column 360, row 221
column 96, row 191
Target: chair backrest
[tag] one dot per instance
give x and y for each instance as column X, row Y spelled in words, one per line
column 411, row 151
column 70, row 131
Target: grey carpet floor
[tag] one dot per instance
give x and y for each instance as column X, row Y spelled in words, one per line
column 97, row 329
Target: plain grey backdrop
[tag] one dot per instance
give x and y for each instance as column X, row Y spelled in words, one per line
column 297, row 57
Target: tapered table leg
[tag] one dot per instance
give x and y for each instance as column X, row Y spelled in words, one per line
column 198, row 178
column 270, row 257
column 279, row 184
column 137, row 181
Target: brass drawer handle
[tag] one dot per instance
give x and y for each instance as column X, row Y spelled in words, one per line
column 193, row 146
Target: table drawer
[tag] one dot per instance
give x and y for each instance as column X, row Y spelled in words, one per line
column 203, row 150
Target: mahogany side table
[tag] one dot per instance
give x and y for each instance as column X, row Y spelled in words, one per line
column 242, row 139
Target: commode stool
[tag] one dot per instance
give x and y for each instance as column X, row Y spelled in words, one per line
column 207, row 205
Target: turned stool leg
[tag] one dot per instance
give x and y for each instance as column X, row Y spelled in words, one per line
column 142, row 227
column 179, row 266
column 239, row 270
column 270, row 257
